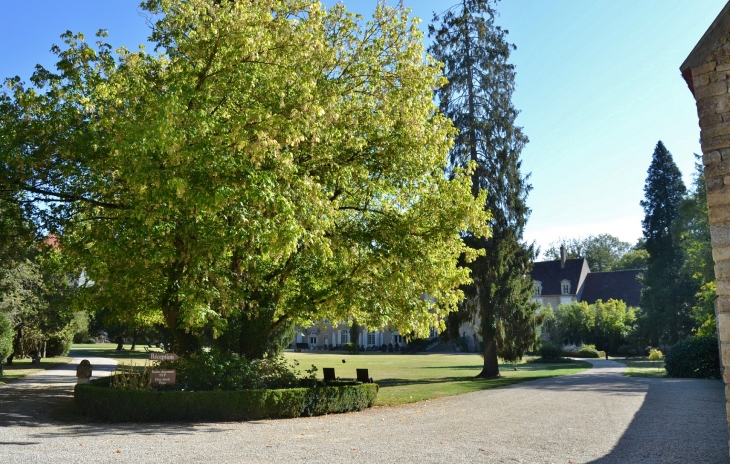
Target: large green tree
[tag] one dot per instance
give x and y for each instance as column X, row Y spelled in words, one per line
column 692, row 229
column 273, row 162
column 478, row 99
column 668, row 291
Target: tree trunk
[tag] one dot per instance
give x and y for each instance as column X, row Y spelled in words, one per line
column 16, row 344
column 120, row 342
column 491, row 364
column 135, row 334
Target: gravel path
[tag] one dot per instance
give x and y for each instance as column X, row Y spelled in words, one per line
column 595, row 416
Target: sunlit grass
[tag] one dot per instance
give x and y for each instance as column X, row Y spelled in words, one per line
column 23, row 367
column 407, row 378
column 643, row 367
column 138, row 357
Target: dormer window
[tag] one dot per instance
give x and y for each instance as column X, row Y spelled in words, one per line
column 565, row 287
column 537, row 287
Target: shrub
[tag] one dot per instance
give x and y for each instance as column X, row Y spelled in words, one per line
column 627, row 350
column 351, row 348
column 551, row 351
column 655, row 354
column 696, row 357
column 462, row 344
column 97, row 401
column 588, row 351
column 58, row 345
column 217, row 370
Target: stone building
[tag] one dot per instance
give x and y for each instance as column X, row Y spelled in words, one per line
column 706, row 71
column 566, row 280
column 325, row 335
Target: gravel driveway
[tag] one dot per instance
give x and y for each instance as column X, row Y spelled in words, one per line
column 595, row 416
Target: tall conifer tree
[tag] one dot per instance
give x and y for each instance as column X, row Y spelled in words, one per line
column 668, row 294
column 478, row 99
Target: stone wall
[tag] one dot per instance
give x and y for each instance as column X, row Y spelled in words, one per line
column 710, row 84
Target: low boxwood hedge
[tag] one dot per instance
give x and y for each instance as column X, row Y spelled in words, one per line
column 98, row 401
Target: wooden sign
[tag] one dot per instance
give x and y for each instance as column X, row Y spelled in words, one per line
column 164, row 357
column 162, row 377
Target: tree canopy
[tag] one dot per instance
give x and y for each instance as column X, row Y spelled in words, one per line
column 478, row 98
column 668, row 292
column 271, row 162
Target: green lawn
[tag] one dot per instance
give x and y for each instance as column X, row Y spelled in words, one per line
column 642, row 367
column 138, row 357
column 23, row 367
column 405, row 378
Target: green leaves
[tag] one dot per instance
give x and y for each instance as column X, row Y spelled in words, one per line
column 276, row 153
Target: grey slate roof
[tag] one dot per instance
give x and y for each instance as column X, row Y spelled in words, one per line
column 550, row 274
column 619, row 285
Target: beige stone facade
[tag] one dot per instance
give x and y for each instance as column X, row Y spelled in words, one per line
column 707, row 73
column 325, row 335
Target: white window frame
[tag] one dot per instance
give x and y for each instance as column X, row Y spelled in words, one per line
column 565, row 287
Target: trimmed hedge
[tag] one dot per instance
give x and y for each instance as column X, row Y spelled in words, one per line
column 696, row 358
column 99, row 402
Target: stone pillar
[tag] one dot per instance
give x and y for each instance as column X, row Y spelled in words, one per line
column 706, row 72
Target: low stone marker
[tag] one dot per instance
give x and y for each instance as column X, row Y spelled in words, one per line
column 83, row 371
column 162, row 377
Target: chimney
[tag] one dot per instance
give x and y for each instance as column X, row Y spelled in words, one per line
column 562, row 257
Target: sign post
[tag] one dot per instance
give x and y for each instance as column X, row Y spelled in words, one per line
column 163, row 376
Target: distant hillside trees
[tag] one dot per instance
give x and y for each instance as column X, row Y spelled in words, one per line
column 604, row 252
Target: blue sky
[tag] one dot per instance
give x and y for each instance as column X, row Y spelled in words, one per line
column 597, row 85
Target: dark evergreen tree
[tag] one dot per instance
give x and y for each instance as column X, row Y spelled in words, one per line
column 478, row 99
column 668, row 294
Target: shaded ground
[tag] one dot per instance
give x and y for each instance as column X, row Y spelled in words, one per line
column 598, row 415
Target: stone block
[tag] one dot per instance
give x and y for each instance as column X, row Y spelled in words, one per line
column 716, row 130
column 723, row 327
column 713, row 157
column 711, row 90
column 725, row 154
column 714, row 183
column 723, row 287
column 699, row 81
column 720, row 214
column 723, row 306
column 722, row 270
column 720, row 236
column 720, row 253
column 704, row 69
column 717, row 170
column 726, row 379
column 715, row 76
column 715, row 144
column 720, row 196
column 715, row 105
column 723, row 67
column 712, row 119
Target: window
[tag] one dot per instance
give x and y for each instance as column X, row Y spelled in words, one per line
column 565, row 287
column 371, row 338
column 345, row 335
column 312, row 340
column 397, row 339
